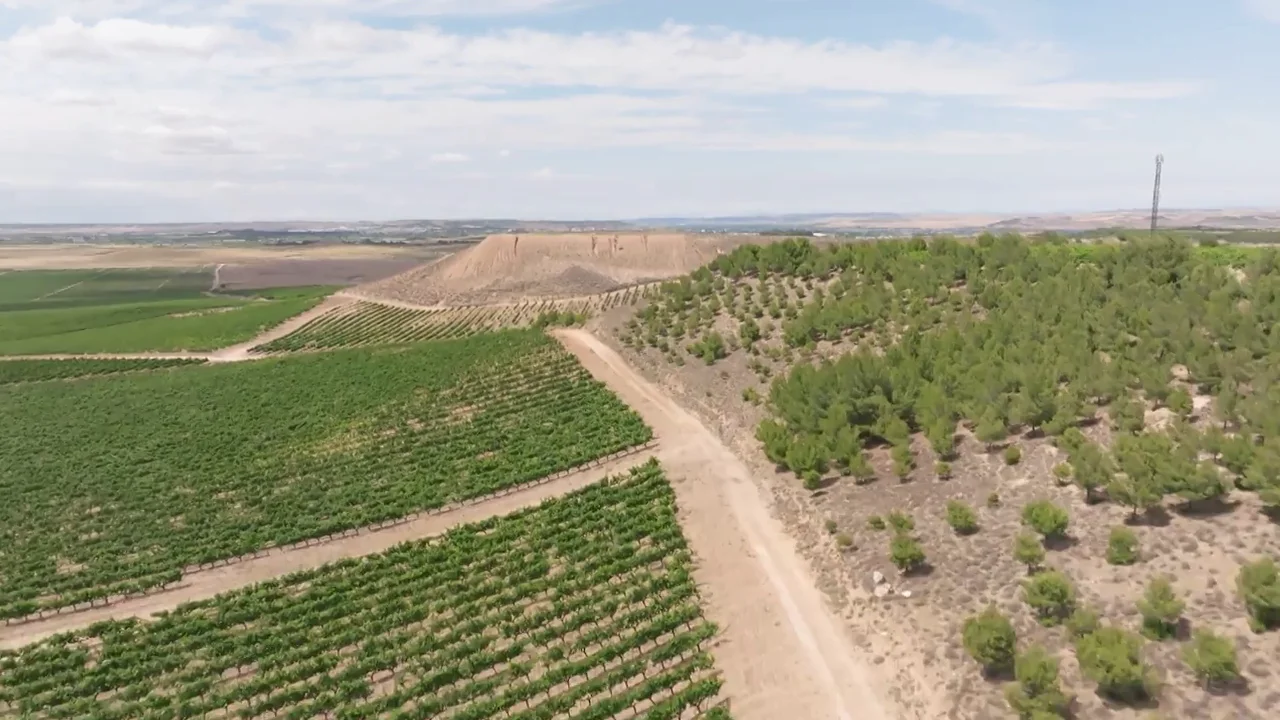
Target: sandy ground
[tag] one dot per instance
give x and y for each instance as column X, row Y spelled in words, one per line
column 782, row 652
column 506, row 268
column 73, row 256
column 208, row 583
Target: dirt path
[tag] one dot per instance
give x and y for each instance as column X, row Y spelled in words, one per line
column 240, row 353
column 217, row 277
column 784, row 654
column 208, row 583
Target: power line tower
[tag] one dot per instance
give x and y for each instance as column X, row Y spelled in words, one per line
column 1155, row 195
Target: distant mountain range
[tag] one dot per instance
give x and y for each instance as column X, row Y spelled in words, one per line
column 1227, row 219
column 438, row 230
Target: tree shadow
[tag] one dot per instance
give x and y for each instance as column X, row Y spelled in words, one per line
column 1147, row 702
column 999, row 675
column 1208, row 507
column 1239, row 687
column 1156, row 516
column 1058, row 543
column 922, row 570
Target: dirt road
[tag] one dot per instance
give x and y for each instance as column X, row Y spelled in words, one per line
column 240, row 353
column 784, row 654
column 207, row 583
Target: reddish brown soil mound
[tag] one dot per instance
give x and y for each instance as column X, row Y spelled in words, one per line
column 504, row 268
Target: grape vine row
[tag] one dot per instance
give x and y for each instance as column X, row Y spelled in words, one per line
column 365, row 324
column 19, row 371
column 583, row 607
column 121, row 482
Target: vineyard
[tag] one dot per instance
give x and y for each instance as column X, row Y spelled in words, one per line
column 20, row 371
column 367, row 324
column 129, row 311
column 44, row 289
column 584, row 607
column 126, row 480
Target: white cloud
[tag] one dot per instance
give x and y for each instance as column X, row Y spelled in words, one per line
column 77, row 97
column 1265, row 9
column 857, row 102
column 1084, row 95
column 188, row 9
column 336, row 108
column 67, row 39
column 450, row 157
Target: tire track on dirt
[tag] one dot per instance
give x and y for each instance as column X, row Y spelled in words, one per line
column 782, row 651
column 204, row 584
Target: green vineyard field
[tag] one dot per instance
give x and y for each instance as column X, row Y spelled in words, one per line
column 118, row 483
column 367, row 324
column 584, row 607
column 18, row 371
column 126, row 311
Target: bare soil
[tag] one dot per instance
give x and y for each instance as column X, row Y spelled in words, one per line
column 205, row 584
column 915, row 641
column 237, row 258
column 317, row 271
column 507, row 268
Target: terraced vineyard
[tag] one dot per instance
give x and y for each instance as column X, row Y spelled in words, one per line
column 126, row 480
column 584, row 607
column 367, row 324
column 18, row 371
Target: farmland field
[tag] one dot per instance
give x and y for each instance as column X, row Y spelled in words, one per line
column 18, row 371
column 583, row 607
column 123, row 311
column 125, row 480
column 366, row 324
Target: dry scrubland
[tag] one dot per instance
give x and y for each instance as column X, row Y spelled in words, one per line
column 882, row 382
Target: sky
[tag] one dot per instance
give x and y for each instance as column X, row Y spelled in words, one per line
column 237, row 110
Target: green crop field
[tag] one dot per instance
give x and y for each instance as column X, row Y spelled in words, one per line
column 585, row 604
column 19, row 371
column 121, row 311
column 125, row 480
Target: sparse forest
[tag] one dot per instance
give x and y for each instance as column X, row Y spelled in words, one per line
column 1145, row 373
column 1002, row 338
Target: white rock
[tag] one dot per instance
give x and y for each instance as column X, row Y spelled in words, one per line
column 906, row 593
column 877, row 577
column 883, row 590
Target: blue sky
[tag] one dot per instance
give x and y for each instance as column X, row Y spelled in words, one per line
column 171, row 110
